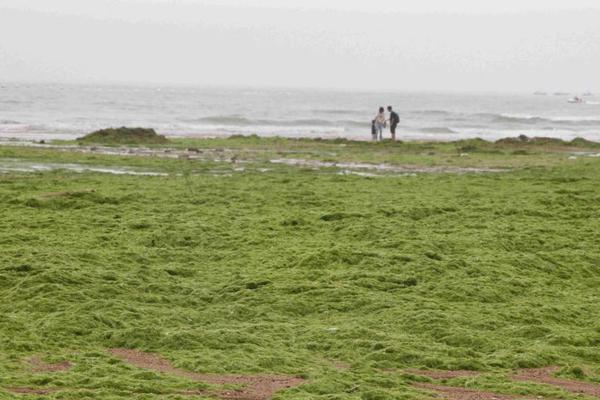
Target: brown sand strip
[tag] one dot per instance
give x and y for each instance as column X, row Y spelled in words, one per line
column 456, row 393
column 437, row 374
column 545, row 376
column 27, row 390
column 37, row 365
column 256, row 387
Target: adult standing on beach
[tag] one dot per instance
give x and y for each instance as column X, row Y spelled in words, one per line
column 380, row 122
column 394, row 121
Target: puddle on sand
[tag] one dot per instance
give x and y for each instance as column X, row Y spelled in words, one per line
column 8, row 165
column 358, row 173
column 217, row 155
column 585, row 154
column 350, row 167
column 12, row 165
column 226, row 155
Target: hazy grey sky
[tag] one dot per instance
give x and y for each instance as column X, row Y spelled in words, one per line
column 426, row 45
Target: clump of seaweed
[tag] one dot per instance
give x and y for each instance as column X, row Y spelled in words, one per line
column 547, row 141
column 286, row 271
column 124, row 135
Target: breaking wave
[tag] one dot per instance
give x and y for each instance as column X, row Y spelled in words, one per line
column 430, row 112
column 440, row 129
column 334, row 111
column 535, row 119
column 308, row 122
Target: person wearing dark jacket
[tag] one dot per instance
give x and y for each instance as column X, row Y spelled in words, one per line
column 394, row 121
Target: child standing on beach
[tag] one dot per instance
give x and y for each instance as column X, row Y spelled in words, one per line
column 373, row 130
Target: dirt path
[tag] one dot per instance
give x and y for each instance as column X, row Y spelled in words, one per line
column 546, row 376
column 456, row 393
column 263, row 387
column 256, row 387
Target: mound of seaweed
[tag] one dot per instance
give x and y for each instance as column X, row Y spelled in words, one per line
column 124, row 135
column 522, row 139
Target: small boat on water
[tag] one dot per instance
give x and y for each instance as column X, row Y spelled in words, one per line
column 576, row 100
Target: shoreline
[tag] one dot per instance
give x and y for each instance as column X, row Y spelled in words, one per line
column 354, row 157
column 48, row 139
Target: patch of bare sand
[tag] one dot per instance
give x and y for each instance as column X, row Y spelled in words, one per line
column 546, row 376
column 255, row 387
column 38, row 365
column 456, row 393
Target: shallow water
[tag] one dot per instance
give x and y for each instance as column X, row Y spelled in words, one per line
column 15, row 165
column 351, row 167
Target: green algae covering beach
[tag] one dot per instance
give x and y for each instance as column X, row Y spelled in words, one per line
column 250, row 268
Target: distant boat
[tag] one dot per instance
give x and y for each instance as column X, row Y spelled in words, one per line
column 576, row 100
column 540, row 93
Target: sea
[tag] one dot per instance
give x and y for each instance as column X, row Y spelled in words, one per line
column 32, row 112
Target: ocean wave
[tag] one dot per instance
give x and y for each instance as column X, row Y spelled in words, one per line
column 524, row 119
column 14, row 102
column 303, row 122
column 536, row 119
column 354, row 123
column 226, row 120
column 487, row 115
column 438, row 129
column 430, row 112
column 306, row 122
column 8, row 122
column 334, row 111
